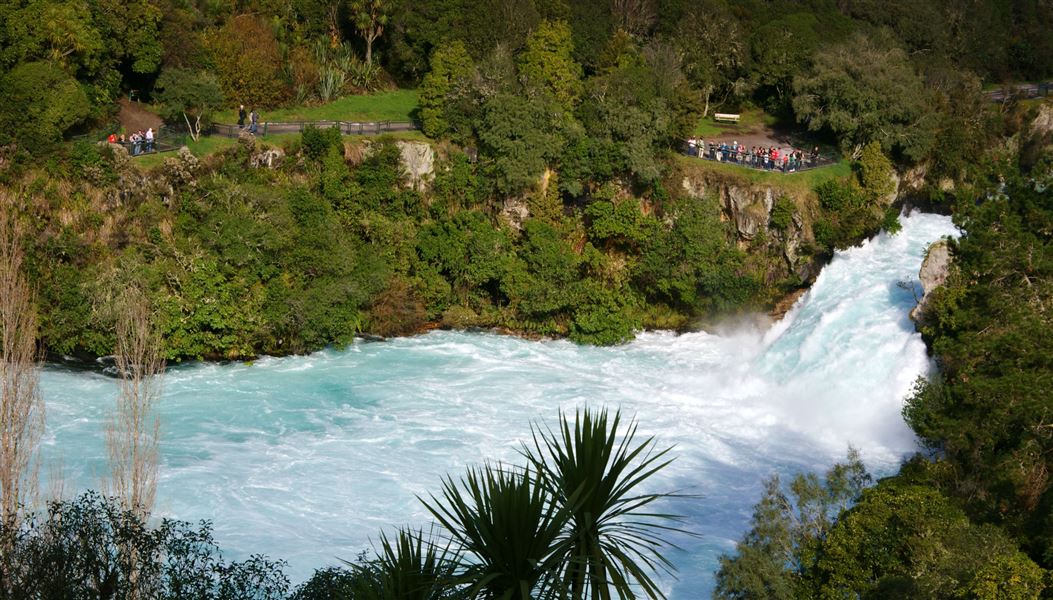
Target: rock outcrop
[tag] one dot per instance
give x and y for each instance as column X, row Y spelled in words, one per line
column 267, row 158
column 749, row 207
column 418, row 158
column 933, row 273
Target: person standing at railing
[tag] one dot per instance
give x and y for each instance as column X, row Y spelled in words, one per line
column 150, row 139
column 241, row 116
column 254, row 121
column 137, row 143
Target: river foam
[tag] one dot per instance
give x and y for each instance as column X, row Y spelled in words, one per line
column 308, row 458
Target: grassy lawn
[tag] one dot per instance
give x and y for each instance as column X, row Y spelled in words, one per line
column 202, row 147
column 397, row 105
column 749, row 120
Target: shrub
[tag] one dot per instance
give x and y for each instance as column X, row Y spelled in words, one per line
column 317, row 142
column 782, row 213
column 89, row 543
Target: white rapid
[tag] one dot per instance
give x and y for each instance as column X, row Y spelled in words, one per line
column 308, row 458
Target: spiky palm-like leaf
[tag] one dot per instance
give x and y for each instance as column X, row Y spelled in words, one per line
column 505, row 522
column 614, row 540
column 408, row 567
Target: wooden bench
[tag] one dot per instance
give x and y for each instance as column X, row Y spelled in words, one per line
column 726, row 118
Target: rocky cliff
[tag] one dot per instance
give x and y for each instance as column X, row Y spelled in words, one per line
column 933, row 273
column 769, row 219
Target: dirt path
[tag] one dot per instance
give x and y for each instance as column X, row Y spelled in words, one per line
column 758, row 135
column 134, row 116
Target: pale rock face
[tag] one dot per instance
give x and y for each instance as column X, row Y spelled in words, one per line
column 515, row 211
column 933, row 273
column 418, row 158
column 1043, row 123
column 270, row 158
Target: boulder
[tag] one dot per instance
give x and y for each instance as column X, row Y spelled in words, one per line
column 933, row 273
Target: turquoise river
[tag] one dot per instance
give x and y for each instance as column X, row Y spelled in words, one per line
column 307, row 458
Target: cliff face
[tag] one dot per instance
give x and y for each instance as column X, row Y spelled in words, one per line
column 786, row 244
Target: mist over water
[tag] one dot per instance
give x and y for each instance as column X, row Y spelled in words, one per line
column 308, row 458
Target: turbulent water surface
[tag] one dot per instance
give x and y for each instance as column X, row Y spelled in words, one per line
column 308, row 458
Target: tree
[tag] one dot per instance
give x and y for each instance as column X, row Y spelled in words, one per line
column 989, row 410
column 572, row 524
column 777, row 556
column 780, row 49
column 248, row 61
column 715, row 54
column 190, row 94
column 547, row 66
column 863, row 91
column 21, row 405
column 519, row 139
column 445, row 90
column 39, row 102
column 909, row 541
column 132, row 436
column 505, row 522
column 79, row 549
column 370, row 17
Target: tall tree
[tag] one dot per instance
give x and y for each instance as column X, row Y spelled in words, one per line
column 547, row 65
column 865, row 90
column 613, row 542
column 370, row 17
column 445, row 89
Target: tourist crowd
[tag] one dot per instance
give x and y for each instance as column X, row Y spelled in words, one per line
column 771, row 158
column 139, row 142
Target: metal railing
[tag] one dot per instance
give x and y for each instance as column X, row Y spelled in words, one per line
column 167, row 139
column 346, row 127
column 763, row 161
column 1022, row 90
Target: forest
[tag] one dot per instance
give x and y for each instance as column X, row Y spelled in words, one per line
column 557, row 209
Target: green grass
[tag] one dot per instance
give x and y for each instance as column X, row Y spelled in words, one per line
column 803, row 180
column 397, row 105
column 200, row 148
column 212, row 144
column 750, row 119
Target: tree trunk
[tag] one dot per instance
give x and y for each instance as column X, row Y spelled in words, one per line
column 190, row 127
column 133, row 433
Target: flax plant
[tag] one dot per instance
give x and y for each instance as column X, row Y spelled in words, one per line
column 509, row 529
column 613, row 541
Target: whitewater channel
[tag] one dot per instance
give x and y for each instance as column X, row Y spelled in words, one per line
column 307, row 458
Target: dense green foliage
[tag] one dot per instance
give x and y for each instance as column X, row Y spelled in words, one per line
column 566, row 215
column 989, row 410
column 239, row 261
column 843, row 538
column 90, row 547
